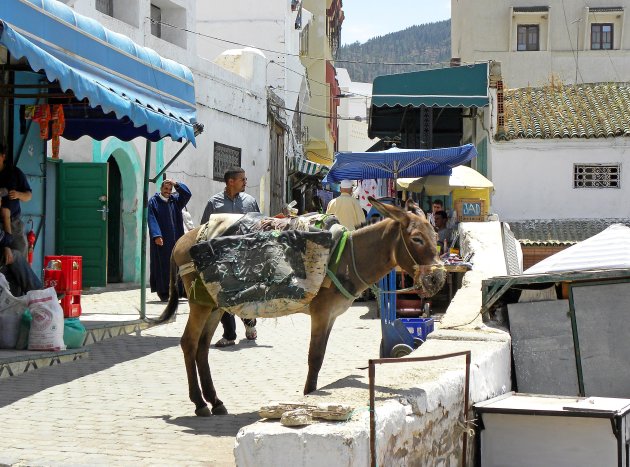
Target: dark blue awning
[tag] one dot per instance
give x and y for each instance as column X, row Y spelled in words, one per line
column 398, row 163
column 135, row 91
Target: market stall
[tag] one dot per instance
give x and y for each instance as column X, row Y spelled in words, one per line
column 393, row 164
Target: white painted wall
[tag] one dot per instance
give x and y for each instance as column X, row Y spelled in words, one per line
column 534, row 179
column 353, row 134
column 471, row 40
column 269, row 26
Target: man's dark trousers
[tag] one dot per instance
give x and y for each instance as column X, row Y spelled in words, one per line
column 229, row 325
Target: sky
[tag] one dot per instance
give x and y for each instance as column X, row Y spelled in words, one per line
column 365, row 19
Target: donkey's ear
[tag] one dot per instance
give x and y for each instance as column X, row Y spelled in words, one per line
column 411, row 206
column 387, row 210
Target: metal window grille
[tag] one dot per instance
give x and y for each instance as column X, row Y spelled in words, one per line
column 156, row 19
column 597, row 176
column 105, row 6
column 601, row 36
column 528, row 37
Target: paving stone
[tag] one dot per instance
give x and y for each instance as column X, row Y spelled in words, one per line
column 127, row 402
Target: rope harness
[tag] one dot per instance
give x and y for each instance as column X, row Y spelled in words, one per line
column 417, row 268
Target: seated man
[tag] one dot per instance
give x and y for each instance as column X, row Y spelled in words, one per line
column 443, row 232
column 15, row 268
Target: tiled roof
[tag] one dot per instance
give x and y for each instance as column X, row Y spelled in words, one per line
column 596, row 110
column 547, row 232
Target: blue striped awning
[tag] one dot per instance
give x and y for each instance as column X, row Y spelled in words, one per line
column 398, row 163
column 137, row 92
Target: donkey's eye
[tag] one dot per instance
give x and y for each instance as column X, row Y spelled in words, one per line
column 418, row 240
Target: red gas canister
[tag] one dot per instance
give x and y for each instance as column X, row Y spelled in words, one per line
column 30, row 237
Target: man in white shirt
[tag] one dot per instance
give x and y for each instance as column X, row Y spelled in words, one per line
column 346, row 207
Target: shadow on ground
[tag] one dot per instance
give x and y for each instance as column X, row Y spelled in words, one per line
column 103, row 355
column 372, row 309
column 216, row 425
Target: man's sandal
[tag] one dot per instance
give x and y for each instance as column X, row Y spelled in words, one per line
column 223, row 342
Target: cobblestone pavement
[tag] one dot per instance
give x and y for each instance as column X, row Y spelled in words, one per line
column 127, row 403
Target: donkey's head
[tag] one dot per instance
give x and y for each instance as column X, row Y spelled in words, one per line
column 416, row 248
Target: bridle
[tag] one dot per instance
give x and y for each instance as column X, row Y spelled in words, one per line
column 417, row 268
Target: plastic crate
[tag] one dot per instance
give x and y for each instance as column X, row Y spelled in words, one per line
column 64, row 273
column 71, row 305
column 419, row 327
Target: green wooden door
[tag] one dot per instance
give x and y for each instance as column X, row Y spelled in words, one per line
column 82, row 218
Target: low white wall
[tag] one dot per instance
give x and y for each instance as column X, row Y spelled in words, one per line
column 419, row 409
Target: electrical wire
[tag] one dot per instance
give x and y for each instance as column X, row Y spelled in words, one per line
column 574, row 52
column 606, row 50
column 301, row 112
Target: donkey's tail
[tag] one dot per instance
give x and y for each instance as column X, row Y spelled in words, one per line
column 173, row 298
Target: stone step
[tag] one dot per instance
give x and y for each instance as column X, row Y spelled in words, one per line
column 16, row 362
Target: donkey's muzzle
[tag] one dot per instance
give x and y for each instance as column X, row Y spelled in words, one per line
column 432, row 280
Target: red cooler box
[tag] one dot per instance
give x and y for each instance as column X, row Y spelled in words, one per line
column 64, row 273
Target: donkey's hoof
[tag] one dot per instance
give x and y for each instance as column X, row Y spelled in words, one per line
column 219, row 410
column 203, row 412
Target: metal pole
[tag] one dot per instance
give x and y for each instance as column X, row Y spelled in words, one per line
column 143, row 229
column 371, row 379
column 154, row 179
column 371, row 387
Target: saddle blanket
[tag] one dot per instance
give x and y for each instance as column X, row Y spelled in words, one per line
column 266, row 273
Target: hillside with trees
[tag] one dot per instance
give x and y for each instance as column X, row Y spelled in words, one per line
column 428, row 44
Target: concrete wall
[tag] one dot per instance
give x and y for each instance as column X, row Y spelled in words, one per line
column 564, row 29
column 353, row 133
column 268, row 25
column 533, row 179
column 320, row 145
column 419, row 411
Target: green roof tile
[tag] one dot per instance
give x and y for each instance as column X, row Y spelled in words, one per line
column 595, row 110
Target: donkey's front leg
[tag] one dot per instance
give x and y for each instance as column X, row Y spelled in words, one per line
column 203, row 365
column 321, row 324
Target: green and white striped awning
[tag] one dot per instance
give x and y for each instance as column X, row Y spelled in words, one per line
column 306, row 167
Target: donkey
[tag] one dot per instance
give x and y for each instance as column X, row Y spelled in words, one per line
column 404, row 238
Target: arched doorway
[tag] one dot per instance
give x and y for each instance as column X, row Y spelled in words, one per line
column 114, row 224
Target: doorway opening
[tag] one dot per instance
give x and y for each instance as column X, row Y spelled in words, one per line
column 114, row 224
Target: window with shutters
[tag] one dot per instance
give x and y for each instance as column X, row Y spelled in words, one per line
column 602, row 36
column 528, row 37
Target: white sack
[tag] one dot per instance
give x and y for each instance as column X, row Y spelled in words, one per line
column 47, row 325
column 11, row 310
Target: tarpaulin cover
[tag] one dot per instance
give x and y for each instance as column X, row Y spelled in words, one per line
column 263, row 274
column 606, row 250
column 138, row 92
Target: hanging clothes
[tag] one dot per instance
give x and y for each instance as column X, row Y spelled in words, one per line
column 58, row 126
column 42, row 116
column 368, row 187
